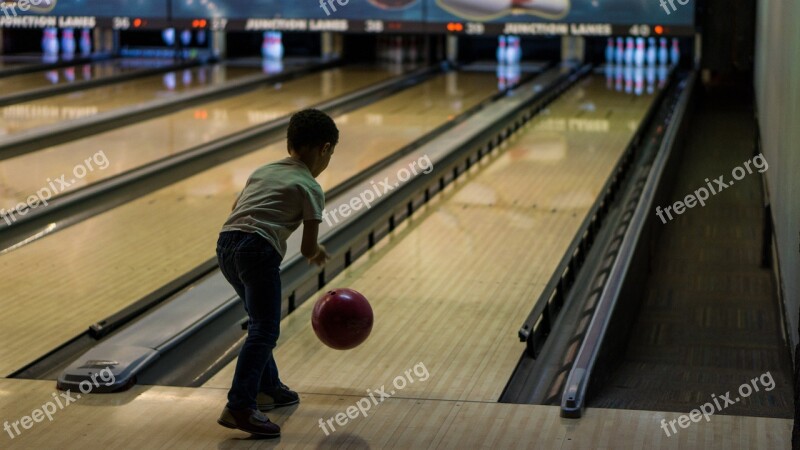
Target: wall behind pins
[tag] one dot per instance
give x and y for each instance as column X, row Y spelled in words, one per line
column 728, row 30
column 777, row 84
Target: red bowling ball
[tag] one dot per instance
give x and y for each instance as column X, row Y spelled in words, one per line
column 342, row 319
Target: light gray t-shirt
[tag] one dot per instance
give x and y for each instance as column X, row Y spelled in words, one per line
column 275, row 200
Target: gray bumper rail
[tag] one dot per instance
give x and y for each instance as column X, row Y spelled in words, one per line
column 76, row 129
column 178, row 332
column 574, row 396
column 556, row 318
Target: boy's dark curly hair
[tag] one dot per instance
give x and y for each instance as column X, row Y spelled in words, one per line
column 311, row 128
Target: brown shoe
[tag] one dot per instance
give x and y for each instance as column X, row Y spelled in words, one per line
column 249, row 420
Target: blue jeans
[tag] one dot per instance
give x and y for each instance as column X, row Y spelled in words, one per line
column 252, row 266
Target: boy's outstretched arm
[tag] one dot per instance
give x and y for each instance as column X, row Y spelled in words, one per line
column 315, row 253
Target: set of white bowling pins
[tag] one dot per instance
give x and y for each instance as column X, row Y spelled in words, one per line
column 632, row 51
column 509, row 50
column 51, row 45
column 272, row 47
column 631, row 79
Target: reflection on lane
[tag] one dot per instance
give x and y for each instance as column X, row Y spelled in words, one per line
column 65, row 75
column 75, row 105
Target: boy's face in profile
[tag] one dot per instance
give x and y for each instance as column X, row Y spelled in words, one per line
column 324, row 155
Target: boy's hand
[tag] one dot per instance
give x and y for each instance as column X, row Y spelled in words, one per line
column 321, row 257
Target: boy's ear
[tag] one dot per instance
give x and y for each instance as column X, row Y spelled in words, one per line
column 327, row 148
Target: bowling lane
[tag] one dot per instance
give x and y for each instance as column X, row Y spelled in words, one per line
column 27, row 116
column 450, row 287
column 12, row 63
column 72, row 278
column 66, row 75
column 135, row 145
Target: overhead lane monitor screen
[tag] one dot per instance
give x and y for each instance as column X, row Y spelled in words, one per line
column 562, row 17
column 116, row 14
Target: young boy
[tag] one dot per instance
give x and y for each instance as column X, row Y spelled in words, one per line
column 252, row 244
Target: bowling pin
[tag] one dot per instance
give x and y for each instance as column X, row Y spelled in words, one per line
column 50, row 42
column 620, row 55
column 86, row 42
column 279, row 50
column 201, row 37
column 513, row 54
column 618, row 75
column 168, row 35
column 68, row 41
column 479, row 9
column 638, row 56
column 549, row 8
column 609, row 72
column 397, row 50
column 186, row 37
column 413, row 51
column 652, row 52
column 610, row 51
column 629, row 50
column 675, row 53
column 663, row 54
column 266, row 50
column 502, row 48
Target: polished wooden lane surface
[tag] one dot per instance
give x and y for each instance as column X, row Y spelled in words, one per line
column 185, row 418
column 451, row 287
column 135, row 145
column 66, row 75
column 12, row 63
column 35, row 114
column 74, row 277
